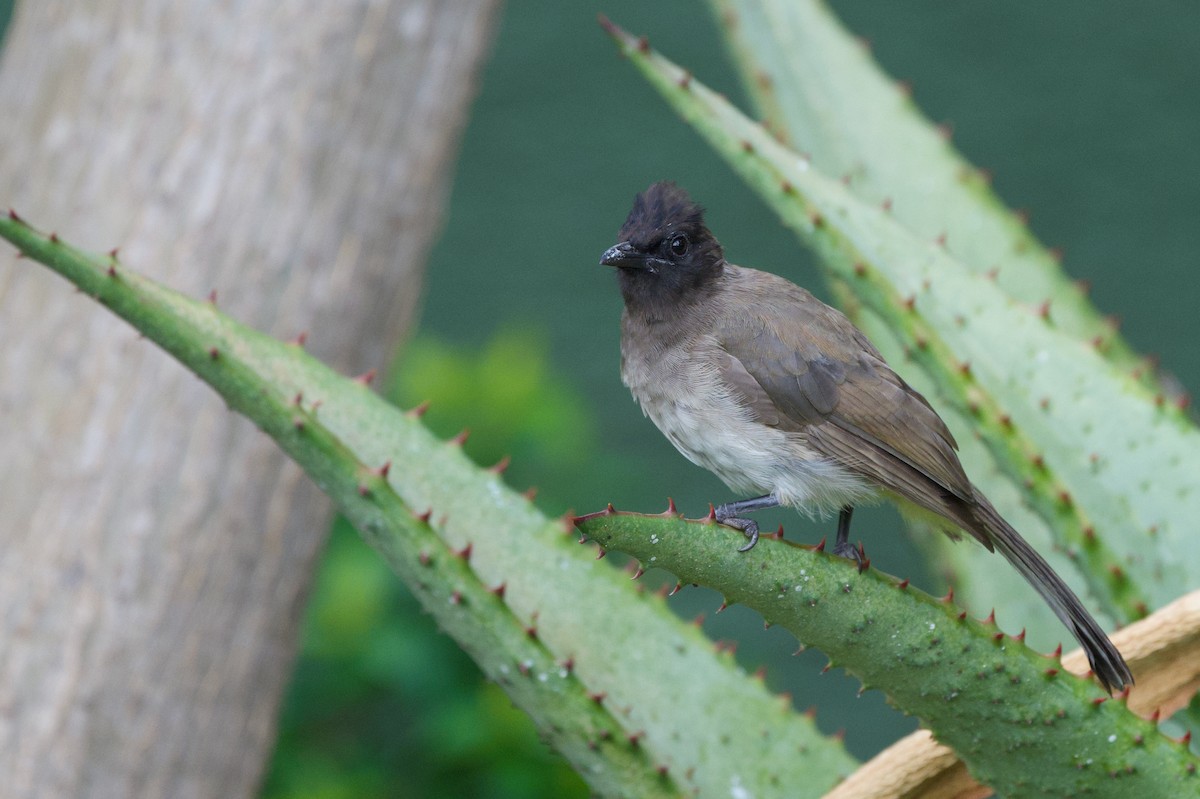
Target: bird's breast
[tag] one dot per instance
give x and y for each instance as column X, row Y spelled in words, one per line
column 681, row 390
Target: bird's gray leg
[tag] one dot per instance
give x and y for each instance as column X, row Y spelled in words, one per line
column 842, row 545
column 728, row 515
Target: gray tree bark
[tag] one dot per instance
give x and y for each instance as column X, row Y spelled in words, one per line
column 155, row 550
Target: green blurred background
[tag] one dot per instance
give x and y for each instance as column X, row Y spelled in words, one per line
column 1088, row 113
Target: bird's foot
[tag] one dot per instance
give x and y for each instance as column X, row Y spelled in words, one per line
column 855, row 553
column 748, row 527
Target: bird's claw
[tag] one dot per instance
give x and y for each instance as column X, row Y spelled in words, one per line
column 747, row 527
column 847, row 550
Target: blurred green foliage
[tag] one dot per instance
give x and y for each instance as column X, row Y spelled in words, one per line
column 381, row 704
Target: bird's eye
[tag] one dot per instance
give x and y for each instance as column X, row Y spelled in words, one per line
column 679, row 245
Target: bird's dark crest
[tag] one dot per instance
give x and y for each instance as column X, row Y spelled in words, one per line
column 658, row 211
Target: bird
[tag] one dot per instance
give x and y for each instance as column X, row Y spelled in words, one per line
column 753, row 378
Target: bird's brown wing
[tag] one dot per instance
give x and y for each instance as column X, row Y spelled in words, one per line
column 800, row 365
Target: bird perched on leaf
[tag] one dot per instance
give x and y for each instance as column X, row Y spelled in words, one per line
column 786, row 401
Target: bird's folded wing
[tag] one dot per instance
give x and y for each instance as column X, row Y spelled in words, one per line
column 846, row 400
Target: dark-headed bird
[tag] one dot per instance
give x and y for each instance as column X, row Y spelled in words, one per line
column 786, row 401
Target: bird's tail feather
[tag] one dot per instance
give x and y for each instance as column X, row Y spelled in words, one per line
column 1107, row 664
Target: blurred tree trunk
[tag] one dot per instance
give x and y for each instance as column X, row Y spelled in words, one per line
column 155, row 550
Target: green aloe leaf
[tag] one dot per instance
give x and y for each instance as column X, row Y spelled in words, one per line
column 1021, row 724
column 636, row 699
column 822, row 92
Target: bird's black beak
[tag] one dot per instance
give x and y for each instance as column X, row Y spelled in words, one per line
column 625, row 256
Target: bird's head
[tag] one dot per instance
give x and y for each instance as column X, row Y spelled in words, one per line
column 665, row 256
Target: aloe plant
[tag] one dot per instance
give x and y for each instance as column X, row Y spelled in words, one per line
column 639, row 702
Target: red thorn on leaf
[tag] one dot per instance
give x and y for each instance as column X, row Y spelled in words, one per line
column 940, row 240
column 298, row 422
column 699, row 620
column 815, row 219
column 661, row 591
column 366, row 378
column 530, row 493
column 945, row 131
column 787, row 188
column 598, row 697
column 678, row 587
column 54, row 238
column 424, row 559
column 1051, row 672
column 499, row 590
column 820, row 547
column 568, row 665
column 610, row 510
column 600, row 552
column 456, row 598
column 685, row 80
column 1056, row 254
column 949, row 597
column 461, row 438
column 1043, row 310
column 301, row 338
column 297, row 400
column 1154, row 717
column 418, row 411
column 643, row 44
column 724, row 604
column 212, row 297
column 747, row 147
column 13, row 216
column 965, row 369
column 1057, row 653
column 523, row 667
column 1124, row 695
column 779, row 532
column 465, row 552
column 501, row 465
column 635, row 738
column 1186, row 739
column 860, row 268
column 364, row 491
column 671, row 509
column 662, row 770
column 213, row 353
column 712, row 514
column 962, row 616
column 799, row 651
column 1038, row 462
column 424, row 518
column 903, row 584
column 998, row 635
column 991, row 618
column 637, row 574
column 1100, row 700
column 1022, row 215
column 1021, row 636
column 910, row 302
column 887, row 204
column 760, row 673
column 111, row 271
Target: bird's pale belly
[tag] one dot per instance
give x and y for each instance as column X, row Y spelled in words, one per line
column 711, row 428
